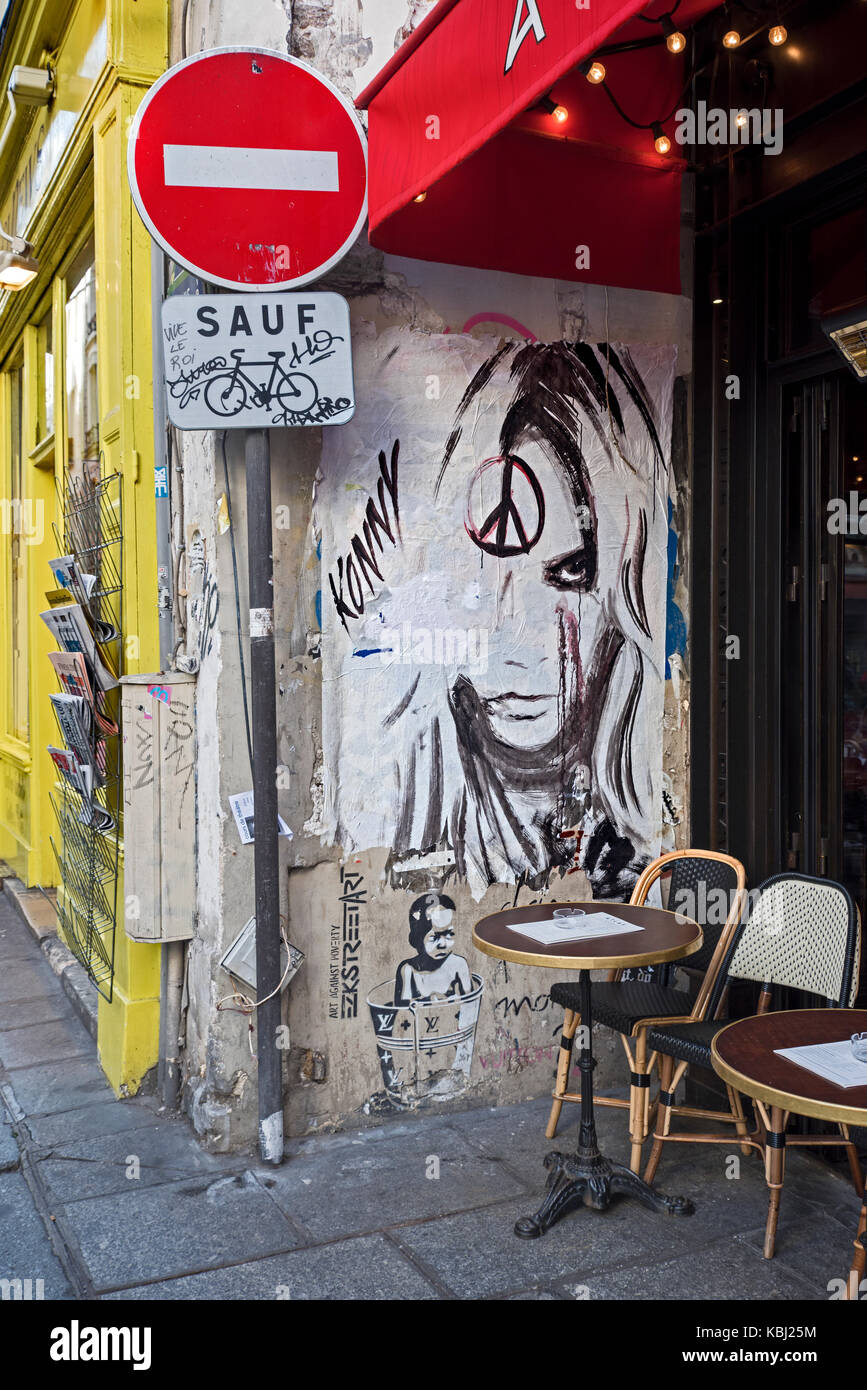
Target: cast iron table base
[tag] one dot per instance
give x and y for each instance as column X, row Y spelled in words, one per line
column 586, row 1176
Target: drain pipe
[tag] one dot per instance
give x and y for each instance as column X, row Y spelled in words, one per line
column 172, row 953
column 266, row 870
column 171, row 997
column 162, row 504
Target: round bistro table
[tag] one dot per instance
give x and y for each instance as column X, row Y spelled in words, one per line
column 744, row 1055
column 586, row 1176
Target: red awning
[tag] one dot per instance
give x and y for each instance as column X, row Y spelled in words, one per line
column 507, row 187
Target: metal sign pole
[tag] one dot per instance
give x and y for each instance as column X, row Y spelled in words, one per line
column 161, row 465
column 265, row 845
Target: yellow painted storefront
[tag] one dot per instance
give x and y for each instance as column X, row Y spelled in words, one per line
column 75, row 382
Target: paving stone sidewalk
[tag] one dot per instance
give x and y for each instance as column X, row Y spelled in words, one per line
column 108, row 1199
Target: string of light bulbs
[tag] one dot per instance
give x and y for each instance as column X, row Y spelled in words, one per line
column 675, row 41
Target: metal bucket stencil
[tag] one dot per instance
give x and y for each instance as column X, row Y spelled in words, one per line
column 425, row 1047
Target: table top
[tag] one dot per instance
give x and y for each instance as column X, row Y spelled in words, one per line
column 665, row 936
column 743, row 1054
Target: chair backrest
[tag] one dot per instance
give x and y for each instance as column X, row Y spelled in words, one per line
column 803, row 933
column 710, row 888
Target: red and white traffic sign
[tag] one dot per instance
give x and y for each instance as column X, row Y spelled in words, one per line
column 249, row 168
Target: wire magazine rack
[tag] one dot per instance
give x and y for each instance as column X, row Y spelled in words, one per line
column 88, row 858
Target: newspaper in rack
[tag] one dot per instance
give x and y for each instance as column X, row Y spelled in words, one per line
column 71, row 670
column 79, row 776
column 69, row 575
column 74, row 715
column 71, row 630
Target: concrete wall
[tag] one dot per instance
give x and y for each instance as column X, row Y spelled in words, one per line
column 345, row 903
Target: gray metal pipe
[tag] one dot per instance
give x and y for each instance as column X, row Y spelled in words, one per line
column 171, row 998
column 172, row 954
column 263, row 686
column 163, row 504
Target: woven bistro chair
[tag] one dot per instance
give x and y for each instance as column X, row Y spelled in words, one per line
column 803, row 933
column 859, row 1262
column 629, row 1006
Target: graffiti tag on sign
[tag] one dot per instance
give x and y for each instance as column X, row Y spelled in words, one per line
column 253, row 360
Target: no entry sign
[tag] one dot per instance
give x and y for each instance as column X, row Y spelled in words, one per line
column 249, row 168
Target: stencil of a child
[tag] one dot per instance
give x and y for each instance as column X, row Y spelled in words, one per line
column 435, row 971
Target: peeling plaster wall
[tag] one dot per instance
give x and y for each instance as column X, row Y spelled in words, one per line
column 333, row 1064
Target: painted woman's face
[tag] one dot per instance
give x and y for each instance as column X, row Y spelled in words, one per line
column 531, row 544
column 494, row 535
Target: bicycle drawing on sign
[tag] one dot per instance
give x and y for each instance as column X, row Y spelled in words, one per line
column 230, row 388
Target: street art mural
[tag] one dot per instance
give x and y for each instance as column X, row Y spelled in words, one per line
column 425, row 1019
column 494, row 534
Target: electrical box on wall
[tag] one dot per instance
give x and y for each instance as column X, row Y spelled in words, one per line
column 159, row 806
column 240, row 959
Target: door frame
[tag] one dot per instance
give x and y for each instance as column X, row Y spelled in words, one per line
column 736, row 524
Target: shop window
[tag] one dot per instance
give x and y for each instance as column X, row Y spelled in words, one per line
column 45, row 418
column 20, row 528
column 828, row 266
column 82, row 408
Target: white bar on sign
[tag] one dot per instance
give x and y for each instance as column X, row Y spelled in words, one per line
column 233, row 166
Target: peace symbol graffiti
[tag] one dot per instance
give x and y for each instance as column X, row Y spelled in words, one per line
column 514, row 524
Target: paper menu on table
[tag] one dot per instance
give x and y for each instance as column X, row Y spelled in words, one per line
column 547, row 933
column 834, row 1061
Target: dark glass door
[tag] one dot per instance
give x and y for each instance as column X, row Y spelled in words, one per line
column 823, row 665
column 853, row 764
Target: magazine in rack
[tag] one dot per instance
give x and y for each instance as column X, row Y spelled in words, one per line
column 85, row 674
column 80, row 776
column 71, row 670
column 69, row 576
column 75, row 717
column 68, row 624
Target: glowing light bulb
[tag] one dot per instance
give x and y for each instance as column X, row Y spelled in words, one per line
column 778, row 34
column 420, row 198
column 596, row 73
column 731, row 39
column 551, row 108
column 661, row 142
column 741, row 119
column 675, row 41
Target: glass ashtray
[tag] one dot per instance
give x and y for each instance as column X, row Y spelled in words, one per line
column 566, row 917
column 859, row 1046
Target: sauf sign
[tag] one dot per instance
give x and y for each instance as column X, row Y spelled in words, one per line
column 255, row 360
